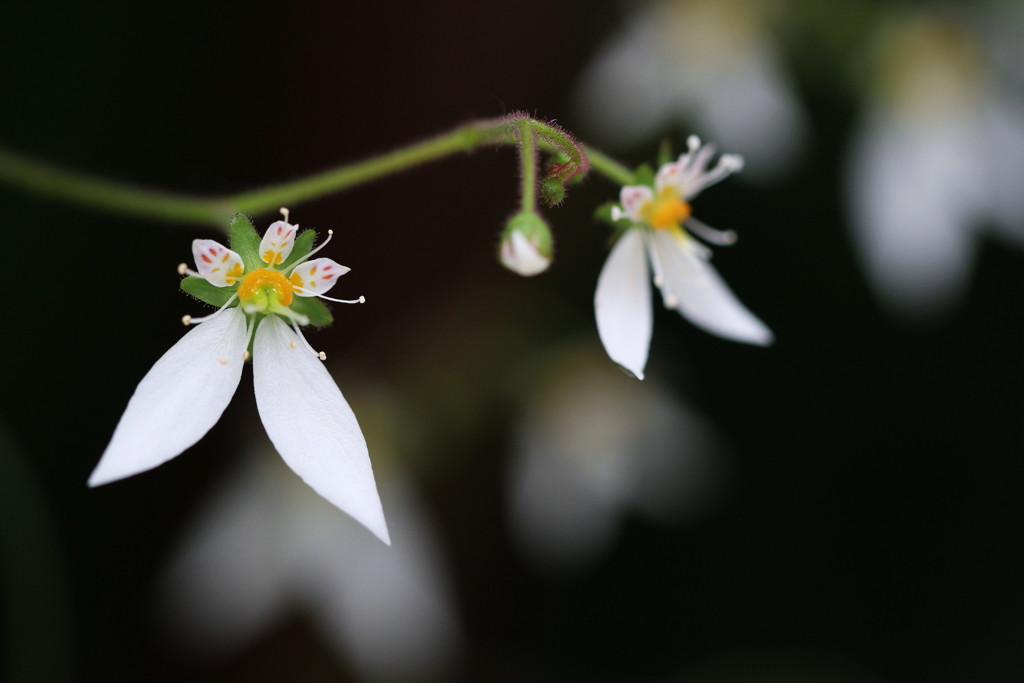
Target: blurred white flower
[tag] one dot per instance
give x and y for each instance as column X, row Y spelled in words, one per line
column 938, row 157
column 688, row 282
column 266, row 546
column 710, row 62
column 594, row 446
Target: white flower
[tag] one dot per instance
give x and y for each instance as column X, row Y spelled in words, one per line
column 594, row 447
column 526, row 244
column 522, row 256
column 711, row 61
column 657, row 241
column 264, row 548
column 304, row 413
column 938, row 157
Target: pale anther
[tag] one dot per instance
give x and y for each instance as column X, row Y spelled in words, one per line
column 186, row 320
column 245, row 355
column 285, row 212
column 322, row 355
column 182, row 268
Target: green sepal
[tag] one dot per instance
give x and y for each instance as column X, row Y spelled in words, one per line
column 245, row 241
column 664, row 152
column 303, row 245
column 314, row 309
column 644, row 175
column 205, row 292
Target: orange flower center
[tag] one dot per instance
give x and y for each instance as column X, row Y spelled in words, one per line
column 261, row 278
column 666, row 211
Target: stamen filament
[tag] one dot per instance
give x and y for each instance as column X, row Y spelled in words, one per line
column 187, row 320
column 183, row 269
column 360, row 300
column 305, row 258
column 319, row 354
column 723, row 238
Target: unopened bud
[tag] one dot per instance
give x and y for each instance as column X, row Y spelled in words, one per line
column 526, row 244
column 553, row 191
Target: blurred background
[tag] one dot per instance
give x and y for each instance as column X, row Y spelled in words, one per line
column 844, row 506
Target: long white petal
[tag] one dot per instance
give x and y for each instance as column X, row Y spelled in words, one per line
column 622, row 304
column 178, row 400
column 702, row 296
column 311, row 425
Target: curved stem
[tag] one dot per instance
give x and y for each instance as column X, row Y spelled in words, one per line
column 610, row 168
column 87, row 190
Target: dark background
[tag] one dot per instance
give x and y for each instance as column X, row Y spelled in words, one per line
column 870, row 532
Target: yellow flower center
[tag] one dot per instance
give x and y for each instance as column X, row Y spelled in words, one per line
column 261, row 278
column 666, row 210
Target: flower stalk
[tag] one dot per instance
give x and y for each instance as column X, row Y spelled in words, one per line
column 575, row 160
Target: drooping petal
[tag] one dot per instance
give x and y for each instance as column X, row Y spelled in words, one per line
column 178, row 400
column 311, row 424
column 634, row 199
column 694, row 287
column 622, row 304
column 277, row 242
column 317, row 276
column 219, row 265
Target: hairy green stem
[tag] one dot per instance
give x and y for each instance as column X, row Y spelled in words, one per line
column 610, row 168
column 528, row 166
column 125, row 198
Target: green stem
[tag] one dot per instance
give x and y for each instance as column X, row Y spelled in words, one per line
column 610, row 168
column 86, row 190
column 80, row 188
column 528, row 166
column 462, row 139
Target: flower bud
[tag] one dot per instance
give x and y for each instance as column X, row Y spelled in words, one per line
column 526, row 244
column 553, row 191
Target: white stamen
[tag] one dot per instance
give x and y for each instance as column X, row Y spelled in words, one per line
column 192, row 320
column 723, row 238
column 186, row 320
column 291, row 345
column 285, row 213
column 727, row 165
column 306, row 257
column 692, row 145
column 319, row 354
column 652, row 256
column 183, row 269
column 250, row 330
column 303, row 290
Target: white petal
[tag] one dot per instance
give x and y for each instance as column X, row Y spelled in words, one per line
column 219, row 265
column 622, row 304
column 317, row 276
column 178, row 400
column 277, row 242
column 229, row 580
column 701, row 295
column 917, row 191
column 311, row 425
column 520, row 255
column 634, row 198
